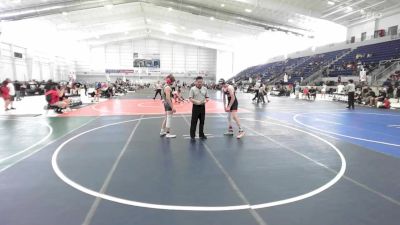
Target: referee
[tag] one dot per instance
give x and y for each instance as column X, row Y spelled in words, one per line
column 198, row 96
column 351, row 89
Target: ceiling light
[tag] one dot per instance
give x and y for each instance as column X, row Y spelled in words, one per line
column 290, row 20
column 109, row 6
column 212, row 18
column 64, row 13
column 183, row 28
column 219, row 35
column 222, row 5
column 169, row 9
column 248, row 10
column 349, row 9
column 126, row 32
column 148, row 20
column 17, row 1
column 331, row 3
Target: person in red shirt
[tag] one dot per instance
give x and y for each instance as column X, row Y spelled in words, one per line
column 386, row 103
column 306, row 93
column 5, row 93
column 53, row 98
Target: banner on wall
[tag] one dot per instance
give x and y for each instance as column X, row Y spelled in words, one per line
column 148, row 64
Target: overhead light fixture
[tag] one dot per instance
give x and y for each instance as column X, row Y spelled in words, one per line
column 349, row 9
column 170, row 9
column 148, row 20
column 126, row 32
column 290, row 21
column 212, row 18
column 183, row 28
column 64, row 13
column 219, row 35
column 109, row 6
column 248, row 10
column 222, row 5
column 17, row 1
column 331, row 3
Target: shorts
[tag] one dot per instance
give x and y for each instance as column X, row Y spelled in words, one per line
column 167, row 107
column 234, row 106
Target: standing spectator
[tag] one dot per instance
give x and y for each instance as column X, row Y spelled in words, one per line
column 351, row 89
column 261, row 93
column 158, row 88
column 17, row 85
column 11, row 89
column 5, row 93
column 86, row 88
column 323, row 90
column 398, row 94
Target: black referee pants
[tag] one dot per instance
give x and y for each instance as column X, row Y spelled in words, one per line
column 198, row 113
column 351, row 100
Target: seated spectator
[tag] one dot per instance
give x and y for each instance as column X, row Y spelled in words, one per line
column 380, row 98
column 386, row 104
column 54, row 96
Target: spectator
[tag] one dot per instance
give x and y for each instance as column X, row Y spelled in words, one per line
column 323, row 90
column 11, row 89
column 398, row 94
column 381, row 97
column 313, row 93
column 17, row 85
column 306, row 93
column 5, row 93
column 54, row 96
column 386, row 103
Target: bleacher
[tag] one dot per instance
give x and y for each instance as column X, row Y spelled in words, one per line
column 316, row 63
column 368, row 55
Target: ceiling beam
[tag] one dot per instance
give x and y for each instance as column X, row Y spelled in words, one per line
column 195, row 9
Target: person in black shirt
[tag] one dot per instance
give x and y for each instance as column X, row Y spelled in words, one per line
column 17, row 86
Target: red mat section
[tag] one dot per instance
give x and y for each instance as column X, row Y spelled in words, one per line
column 140, row 107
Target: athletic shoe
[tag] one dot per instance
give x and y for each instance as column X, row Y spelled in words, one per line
column 229, row 133
column 192, row 139
column 203, row 137
column 163, row 133
column 241, row 134
column 13, row 108
column 170, row 136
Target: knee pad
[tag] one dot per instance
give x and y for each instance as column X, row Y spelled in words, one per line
column 168, row 121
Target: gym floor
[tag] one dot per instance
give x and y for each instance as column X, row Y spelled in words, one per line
column 301, row 162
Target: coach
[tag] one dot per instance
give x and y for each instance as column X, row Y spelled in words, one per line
column 198, row 96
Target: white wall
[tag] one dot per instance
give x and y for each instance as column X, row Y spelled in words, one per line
column 179, row 59
column 224, row 65
column 370, row 26
column 33, row 65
